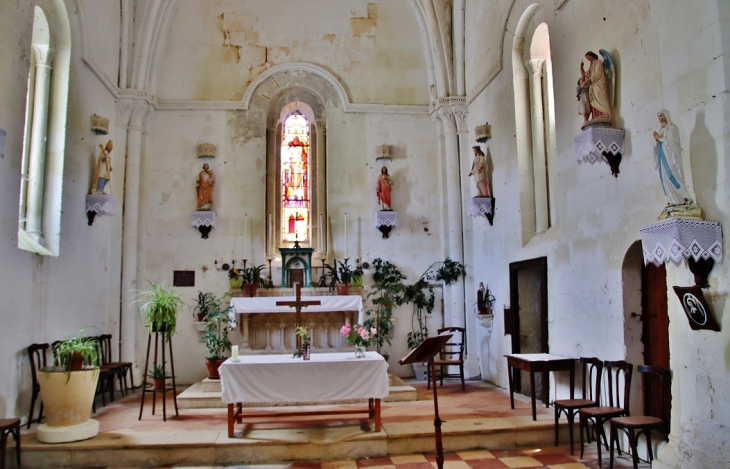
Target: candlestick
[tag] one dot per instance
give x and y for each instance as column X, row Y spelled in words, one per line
column 321, row 236
column 345, row 256
column 271, row 234
column 234, row 353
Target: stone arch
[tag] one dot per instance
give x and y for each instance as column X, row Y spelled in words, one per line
column 631, row 283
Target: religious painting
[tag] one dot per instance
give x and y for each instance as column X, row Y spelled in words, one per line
column 696, row 308
column 295, row 210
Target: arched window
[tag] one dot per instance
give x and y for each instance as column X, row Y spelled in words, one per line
column 39, row 220
column 295, row 179
column 535, row 124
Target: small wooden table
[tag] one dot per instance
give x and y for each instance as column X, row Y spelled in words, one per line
column 327, row 378
column 537, row 362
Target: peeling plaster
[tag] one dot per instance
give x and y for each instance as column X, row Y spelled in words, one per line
column 362, row 26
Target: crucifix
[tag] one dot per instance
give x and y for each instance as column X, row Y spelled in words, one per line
column 298, row 304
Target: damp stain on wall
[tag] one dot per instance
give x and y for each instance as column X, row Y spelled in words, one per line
column 364, row 26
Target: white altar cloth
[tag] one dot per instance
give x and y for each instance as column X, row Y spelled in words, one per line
column 243, row 305
column 271, row 380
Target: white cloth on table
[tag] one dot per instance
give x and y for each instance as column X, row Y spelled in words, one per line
column 325, row 378
column 243, row 305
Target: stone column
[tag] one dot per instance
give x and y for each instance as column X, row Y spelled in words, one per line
column 321, row 184
column 138, row 114
column 453, row 294
column 42, row 55
column 538, row 146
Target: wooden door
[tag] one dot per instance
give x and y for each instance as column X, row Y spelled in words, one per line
column 655, row 330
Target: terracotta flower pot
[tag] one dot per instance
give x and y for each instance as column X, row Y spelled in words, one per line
column 250, row 289
column 158, row 383
column 213, row 366
column 343, row 288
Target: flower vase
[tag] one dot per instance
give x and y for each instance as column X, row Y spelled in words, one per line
column 306, row 349
column 359, row 351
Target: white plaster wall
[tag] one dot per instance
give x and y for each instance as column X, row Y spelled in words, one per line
column 670, row 55
column 216, row 47
column 49, row 298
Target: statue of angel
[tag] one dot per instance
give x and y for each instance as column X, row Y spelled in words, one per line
column 597, row 79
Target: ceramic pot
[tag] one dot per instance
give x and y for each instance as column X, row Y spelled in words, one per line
column 250, row 289
column 343, row 288
column 212, row 366
column 67, row 397
column 158, row 383
column 235, row 283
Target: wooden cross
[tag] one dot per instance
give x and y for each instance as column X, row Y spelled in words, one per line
column 298, row 304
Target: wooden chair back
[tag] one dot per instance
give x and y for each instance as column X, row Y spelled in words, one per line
column 592, row 369
column 663, row 408
column 618, row 377
column 453, row 350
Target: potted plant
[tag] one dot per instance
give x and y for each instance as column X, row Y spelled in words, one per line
column 216, row 337
column 344, row 274
column 329, row 278
column 235, row 279
column 306, row 340
column 68, row 391
column 387, row 293
column 158, row 307
column 422, row 296
column 252, row 279
column 158, row 375
column 204, row 304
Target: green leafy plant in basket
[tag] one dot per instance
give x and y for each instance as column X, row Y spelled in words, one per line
column 76, row 352
column 204, row 304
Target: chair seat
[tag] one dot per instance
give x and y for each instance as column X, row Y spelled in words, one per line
column 637, row 421
column 602, row 411
column 574, row 403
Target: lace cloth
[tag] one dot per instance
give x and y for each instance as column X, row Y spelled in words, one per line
column 202, row 218
column 678, row 238
column 479, row 206
column 593, row 141
column 386, row 218
column 102, row 204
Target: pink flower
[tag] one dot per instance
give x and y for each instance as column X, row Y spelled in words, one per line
column 345, row 331
column 364, row 334
column 373, row 331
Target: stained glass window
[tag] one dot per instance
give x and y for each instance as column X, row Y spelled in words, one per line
column 295, row 208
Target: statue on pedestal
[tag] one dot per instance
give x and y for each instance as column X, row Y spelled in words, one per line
column 103, row 169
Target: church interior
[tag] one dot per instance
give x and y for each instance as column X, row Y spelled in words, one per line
column 548, row 173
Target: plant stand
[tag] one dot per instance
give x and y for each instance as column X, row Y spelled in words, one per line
column 160, row 341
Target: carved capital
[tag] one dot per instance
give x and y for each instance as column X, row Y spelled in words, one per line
column 536, row 66
column 42, row 54
column 140, row 116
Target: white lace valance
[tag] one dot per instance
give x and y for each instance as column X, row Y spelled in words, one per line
column 202, row 218
column 101, row 204
column 593, row 141
column 678, row 238
column 386, row 218
column 479, row 206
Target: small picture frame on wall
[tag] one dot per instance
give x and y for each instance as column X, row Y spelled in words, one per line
column 696, row 308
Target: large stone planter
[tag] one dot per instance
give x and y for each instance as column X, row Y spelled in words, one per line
column 67, row 402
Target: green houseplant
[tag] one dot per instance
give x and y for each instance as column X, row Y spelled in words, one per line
column 158, row 375
column 204, row 304
column 158, row 307
column 387, row 293
column 216, row 338
column 422, row 296
column 252, row 279
column 68, row 391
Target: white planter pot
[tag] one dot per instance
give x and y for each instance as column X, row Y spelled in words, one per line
column 420, row 370
column 67, row 402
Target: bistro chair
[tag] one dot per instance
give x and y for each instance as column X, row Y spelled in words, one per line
column 451, row 354
column 618, row 376
column 119, row 369
column 591, row 396
column 38, row 355
column 635, row 426
column 9, row 427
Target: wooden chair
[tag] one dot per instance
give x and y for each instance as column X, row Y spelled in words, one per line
column 120, row 369
column 451, row 354
column 617, row 373
column 591, row 396
column 12, row 427
column 635, row 426
column 106, row 374
column 38, row 354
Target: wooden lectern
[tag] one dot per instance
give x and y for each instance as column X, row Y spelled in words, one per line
column 425, row 352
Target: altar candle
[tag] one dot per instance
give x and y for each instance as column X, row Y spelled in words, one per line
column 234, row 353
column 345, row 256
column 321, row 236
column 271, row 234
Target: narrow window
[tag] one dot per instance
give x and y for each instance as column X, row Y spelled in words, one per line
column 295, row 177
